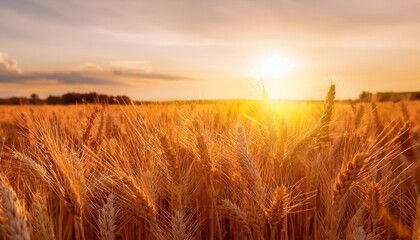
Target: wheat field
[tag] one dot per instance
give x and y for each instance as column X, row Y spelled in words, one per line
column 258, row 169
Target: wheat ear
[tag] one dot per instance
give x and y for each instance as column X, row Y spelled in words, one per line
column 324, row 123
column 279, row 206
column 347, row 176
column 234, row 213
column 14, row 212
column 107, row 219
column 40, row 220
column 179, row 226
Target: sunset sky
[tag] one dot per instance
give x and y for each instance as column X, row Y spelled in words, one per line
column 167, row 49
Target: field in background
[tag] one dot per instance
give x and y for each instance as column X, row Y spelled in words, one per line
column 227, row 170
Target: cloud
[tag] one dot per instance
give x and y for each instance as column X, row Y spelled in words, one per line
column 59, row 77
column 141, row 70
column 88, row 73
column 129, row 69
column 149, row 75
column 11, row 73
column 8, row 64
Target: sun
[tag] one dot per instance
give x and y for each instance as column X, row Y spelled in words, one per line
column 272, row 71
column 274, row 67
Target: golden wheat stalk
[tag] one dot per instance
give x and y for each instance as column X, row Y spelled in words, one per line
column 250, row 171
column 234, row 213
column 86, row 134
column 179, row 227
column 324, row 122
column 145, row 205
column 204, row 156
column 348, row 175
column 107, row 220
column 40, row 220
column 175, row 175
column 376, row 119
column 279, row 206
column 14, row 212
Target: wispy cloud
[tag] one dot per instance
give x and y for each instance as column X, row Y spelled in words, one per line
column 59, row 77
column 149, row 75
column 11, row 73
column 88, row 73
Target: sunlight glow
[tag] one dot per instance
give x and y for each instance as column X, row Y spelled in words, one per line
column 272, row 72
column 273, row 67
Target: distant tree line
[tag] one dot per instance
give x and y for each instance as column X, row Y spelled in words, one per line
column 388, row 96
column 80, row 98
column 66, row 99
